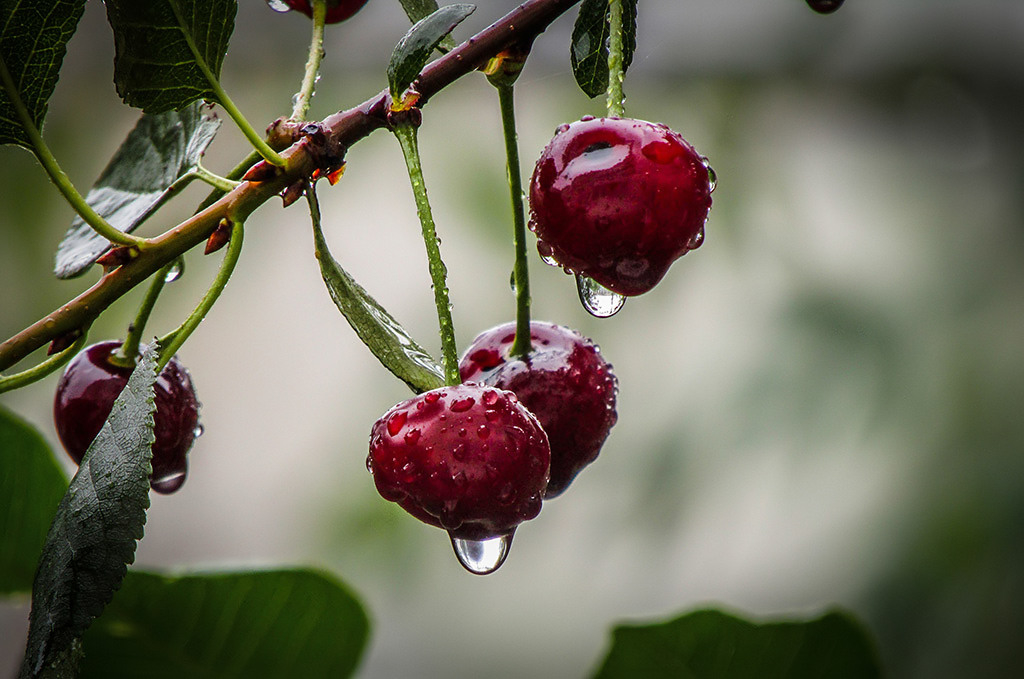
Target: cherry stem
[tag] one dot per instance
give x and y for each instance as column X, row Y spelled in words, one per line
column 172, row 341
column 316, row 54
column 616, row 74
column 521, row 346
column 42, row 153
column 129, row 351
column 38, row 372
column 215, row 180
column 224, row 100
column 438, row 272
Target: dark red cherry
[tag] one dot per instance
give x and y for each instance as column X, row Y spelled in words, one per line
column 468, row 458
column 337, row 10
column 618, row 200
column 564, row 381
column 825, row 6
column 86, row 394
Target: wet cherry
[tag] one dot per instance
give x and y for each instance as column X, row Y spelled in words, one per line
column 825, row 6
column 469, row 459
column 337, row 10
column 86, row 394
column 618, row 200
column 565, row 382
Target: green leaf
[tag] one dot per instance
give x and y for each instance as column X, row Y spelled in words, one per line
column 31, row 486
column 33, row 40
column 418, row 9
column 166, row 50
column 589, row 51
column 385, row 337
column 413, row 50
column 163, row 148
column 94, row 532
column 291, row 623
column 710, row 644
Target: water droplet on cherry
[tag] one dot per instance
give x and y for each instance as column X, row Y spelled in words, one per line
column 199, row 430
column 482, row 557
column 598, row 300
column 712, row 176
column 279, row 6
column 169, row 482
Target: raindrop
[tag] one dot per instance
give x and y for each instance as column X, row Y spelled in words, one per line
column 712, row 176
column 696, row 240
column 482, row 557
column 598, row 300
column 512, row 280
column 278, row 6
column 198, row 431
column 174, row 273
column 169, row 482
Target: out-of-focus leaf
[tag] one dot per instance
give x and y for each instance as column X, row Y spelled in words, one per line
column 162, row 47
column 33, row 40
column 379, row 331
column 161, row 149
column 413, row 50
column 710, row 644
column 589, row 51
column 93, row 535
column 31, row 486
column 290, row 623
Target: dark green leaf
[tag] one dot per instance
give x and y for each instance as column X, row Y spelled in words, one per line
column 413, row 50
column 31, row 486
column 418, row 9
column 589, row 52
column 33, row 39
column 163, row 46
column 710, row 644
column 97, row 524
column 161, row 149
column 378, row 330
column 256, row 625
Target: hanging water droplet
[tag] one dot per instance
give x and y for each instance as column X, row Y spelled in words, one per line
column 170, row 482
column 279, row 6
column 712, row 176
column 482, row 557
column 696, row 240
column 295, row 98
column 198, row 431
column 598, row 300
column 174, row 273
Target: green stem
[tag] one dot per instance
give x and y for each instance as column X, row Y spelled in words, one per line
column 40, row 371
column 522, row 345
column 215, row 180
column 236, row 173
column 316, row 54
column 616, row 75
column 57, row 175
column 257, row 141
column 129, row 351
column 449, row 357
column 172, row 341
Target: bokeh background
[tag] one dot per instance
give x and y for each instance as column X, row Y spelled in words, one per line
column 822, row 406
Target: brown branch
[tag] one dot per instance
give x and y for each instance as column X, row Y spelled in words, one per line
column 345, row 128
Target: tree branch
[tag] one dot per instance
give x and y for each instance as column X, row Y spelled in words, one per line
column 344, row 128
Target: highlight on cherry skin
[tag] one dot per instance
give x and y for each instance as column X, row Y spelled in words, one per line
column 469, row 459
column 617, row 201
column 337, row 10
column 564, row 381
column 86, row 393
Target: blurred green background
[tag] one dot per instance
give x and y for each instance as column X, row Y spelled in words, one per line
column 823, row 405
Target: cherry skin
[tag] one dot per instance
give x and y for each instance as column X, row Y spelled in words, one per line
column 86, row 394
column 618, row 200
column 337, row 10
column 564, row 381
column 469, row 459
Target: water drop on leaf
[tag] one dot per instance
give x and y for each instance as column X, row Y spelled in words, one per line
column 482, row 557
column 598, row 300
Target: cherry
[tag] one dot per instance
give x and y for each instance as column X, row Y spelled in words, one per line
column 468, row 458
column 337, row 10
column 86, row 394
column 825, row 6
column 618, row 200
column 564, row 381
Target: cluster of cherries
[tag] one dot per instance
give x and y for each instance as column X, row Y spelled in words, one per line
column 614, row 200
